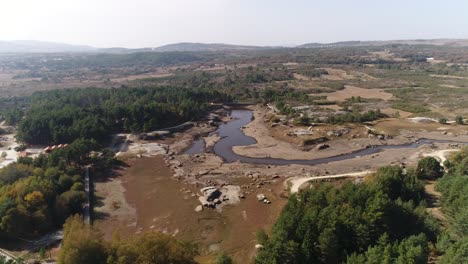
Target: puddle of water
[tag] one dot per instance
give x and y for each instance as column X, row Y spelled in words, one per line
column 197, row 147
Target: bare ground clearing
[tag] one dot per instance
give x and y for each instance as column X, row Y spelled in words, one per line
column 391, row 112
column 336, row 75
column 433, row 130
column 351, row 91
column 141, row 76
column 275, row 144
column 449, row 76
column 156, row 201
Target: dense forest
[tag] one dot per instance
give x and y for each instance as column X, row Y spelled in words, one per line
column 453, row 243
column 39, row 62
column 381, row 221
column 37, row 195
column 356, row 223
column 61, row 116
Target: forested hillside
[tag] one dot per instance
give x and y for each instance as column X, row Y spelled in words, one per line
column 61, row 116
column 381, row 221
column 453, row 243
column 37, row 195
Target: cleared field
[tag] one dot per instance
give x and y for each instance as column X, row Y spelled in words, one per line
column 392, row 112
column 336, row 75
column 449, row 76
column 403, row 126
column 351, row 91
column 141, row 76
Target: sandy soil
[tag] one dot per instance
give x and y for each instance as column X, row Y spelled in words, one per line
column 210, row 141
column 451, row 86
column 144, row 149
column 297, row 182
column 294, row 184
column 333, row 107
column 146, row 195
column 433, row 130
column 350, row 91
column 449, row 76
column 141, row 76
column 391, row 111
column 301, row 77
column 111, row 203
column 269, row 146
column 8, row 145
column 433, row 197
column 387, row 55
column 295, row 135
column 336, row 75
column 441, row 155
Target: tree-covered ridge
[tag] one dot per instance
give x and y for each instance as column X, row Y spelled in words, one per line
column 61, row 116
column 453, row 243
column 382, row 221
column 37, row 195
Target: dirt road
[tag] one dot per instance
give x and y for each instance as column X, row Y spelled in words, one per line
column 297, row 182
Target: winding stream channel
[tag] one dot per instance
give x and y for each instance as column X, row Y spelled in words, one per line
column 232, row 135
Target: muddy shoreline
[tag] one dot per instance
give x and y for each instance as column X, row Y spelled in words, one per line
column 145, row 194
column 232, row 137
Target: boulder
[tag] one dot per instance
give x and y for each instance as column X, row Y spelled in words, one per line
column 322, row 146
column 203, row 172
column 260, row 197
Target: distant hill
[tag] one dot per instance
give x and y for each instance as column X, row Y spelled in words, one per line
column 438, row 42
column 30, row 46
column 188, row 46
column 33, row 46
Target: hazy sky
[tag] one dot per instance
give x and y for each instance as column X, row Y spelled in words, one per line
column 149, row 23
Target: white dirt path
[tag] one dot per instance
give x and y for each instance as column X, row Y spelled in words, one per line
column 297, row 182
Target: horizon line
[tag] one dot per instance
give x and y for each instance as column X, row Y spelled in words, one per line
column 234, row 44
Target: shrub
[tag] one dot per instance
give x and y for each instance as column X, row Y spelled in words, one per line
column 443, row 120
column 429, row 168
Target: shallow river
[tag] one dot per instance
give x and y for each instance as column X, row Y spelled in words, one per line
column 232, row 135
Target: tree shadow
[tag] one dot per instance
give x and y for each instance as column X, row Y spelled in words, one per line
column 100, row 215
column 98, row 201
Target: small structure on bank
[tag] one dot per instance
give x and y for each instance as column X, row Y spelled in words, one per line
column 54, row 147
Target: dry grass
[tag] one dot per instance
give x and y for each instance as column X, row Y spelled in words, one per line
column 351, row 91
